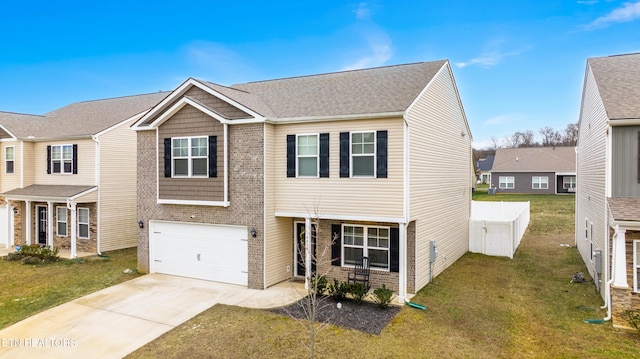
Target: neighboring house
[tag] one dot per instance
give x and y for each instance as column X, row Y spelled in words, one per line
column 608, row 196
column 538, row 170
column 232, row 179
column 68, row 178
column 483, row 168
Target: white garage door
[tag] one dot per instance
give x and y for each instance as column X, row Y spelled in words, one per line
column 5, row 226
column 203, row 251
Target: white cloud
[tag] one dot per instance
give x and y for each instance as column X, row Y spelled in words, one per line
column 363, row 11
column 493, row 55
column 629, row 11
column 377, row 50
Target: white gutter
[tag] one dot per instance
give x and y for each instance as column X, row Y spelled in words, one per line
column 97, row 183
column 361, row 116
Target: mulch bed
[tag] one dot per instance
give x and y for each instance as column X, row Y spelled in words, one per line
column 366, row 316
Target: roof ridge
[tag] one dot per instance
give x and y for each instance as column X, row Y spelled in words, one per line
column 117, row 97
column 21, row 113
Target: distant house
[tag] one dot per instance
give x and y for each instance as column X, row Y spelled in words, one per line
column 539, row 170
column 608, row 197
column 483, row 168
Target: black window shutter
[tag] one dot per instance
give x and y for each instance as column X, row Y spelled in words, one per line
column 213, row 156
column 49, row 160
column 167, row 157
column 74, row 162
column 324, row 155
column 394, row 249
column 381, row 154
column 291, row 155
column 336, row 244
column 344, row 154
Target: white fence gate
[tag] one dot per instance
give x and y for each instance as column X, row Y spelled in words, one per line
column 496, row 228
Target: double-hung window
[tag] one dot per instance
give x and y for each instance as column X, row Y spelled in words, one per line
column 540, row 182
column 9, row 157
column 569, row 183
column 506, row 182
column 83, row 222
column 189, row 156
column 62, row 159
column 363, row 154
column 366, row 241
column 307, row 155
column 61, row 221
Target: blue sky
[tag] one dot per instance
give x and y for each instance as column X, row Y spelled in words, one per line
column 519, row 65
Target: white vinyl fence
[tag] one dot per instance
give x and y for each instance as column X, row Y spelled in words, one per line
column 496, row 228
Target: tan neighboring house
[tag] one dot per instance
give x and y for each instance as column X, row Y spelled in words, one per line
column 231, row 180
column 68, row 178
column 608, row 194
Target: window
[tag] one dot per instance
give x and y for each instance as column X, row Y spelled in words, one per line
column 569, row 183
column 636, row 266
column 506, row 182
column 8, row 159
column 83, row 222
column 540, row 182
column 362, row 241
column 363, row 154
column 307, row 154
column 61, row 221
column 190, row 157
column 62, row 159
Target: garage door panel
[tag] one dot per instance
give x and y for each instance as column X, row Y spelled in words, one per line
column 211, row 252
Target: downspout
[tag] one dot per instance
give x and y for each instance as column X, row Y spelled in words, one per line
column 97, row 182
column 402, row 246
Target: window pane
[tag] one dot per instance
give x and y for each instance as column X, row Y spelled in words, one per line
column 200, row 167
column 308, row 166
column 180, row 147
column 83, row 230
column 83, row 215
column 8, row 155
column 56, row 166
column 379, row 258
column 351, row 254
column 363, row 166
column 67, row 166
column 67, row 152
column 199, row 147
column 308, row 145
column 358, row 236
column 55, row 152
column 180, row 167
column 9, row 165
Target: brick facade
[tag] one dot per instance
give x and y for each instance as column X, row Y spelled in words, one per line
column 623, row 299
column 246, row 194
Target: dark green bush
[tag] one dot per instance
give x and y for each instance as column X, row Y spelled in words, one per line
column 45, row 253
column 383, row 296
column 319, row 283
column 358, row 291
column 633, row 318
column 339, row 290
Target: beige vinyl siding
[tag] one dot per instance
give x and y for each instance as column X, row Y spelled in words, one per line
column 439, row 167
column 117, row 205
column 28, row 163
column 278, row 231
column 10, row 181
column 369, row 197
column 591, row 172
column 86, row 160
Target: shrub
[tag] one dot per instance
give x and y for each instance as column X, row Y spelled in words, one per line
column 14, row 256
column 383, row 296
column 319, row 283
column 358, row 291
column 44, row 253
column 338, row 290
column 633, row 318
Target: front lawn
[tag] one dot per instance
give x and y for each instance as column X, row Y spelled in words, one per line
column 29, row 289
column 480, row 307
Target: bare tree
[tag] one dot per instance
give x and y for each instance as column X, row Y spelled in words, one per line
column 570, row 137
column 550, row 137
column 494, row 143
column 521, row 139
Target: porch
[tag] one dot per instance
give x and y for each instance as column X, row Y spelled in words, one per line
column 63, row 253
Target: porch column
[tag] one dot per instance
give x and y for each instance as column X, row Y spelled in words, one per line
column 71, row 206
column 9, row 226
column 307, row 251
column 619, row 265
column 402, row 263
column 27, row 216
column 50, row 224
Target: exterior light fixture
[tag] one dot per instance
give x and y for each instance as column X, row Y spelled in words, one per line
column 254, row 233
column 140, row 224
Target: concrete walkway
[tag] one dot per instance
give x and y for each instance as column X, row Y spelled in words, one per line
column 116, row 321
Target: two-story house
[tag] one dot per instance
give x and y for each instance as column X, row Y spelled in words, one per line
column 376, row 162
column 68, row 178
column 608, row 169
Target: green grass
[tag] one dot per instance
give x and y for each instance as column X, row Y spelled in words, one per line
column 29, row 289
column 480, row 307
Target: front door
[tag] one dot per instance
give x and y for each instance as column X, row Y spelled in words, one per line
column 300, row 255
column 42, row 225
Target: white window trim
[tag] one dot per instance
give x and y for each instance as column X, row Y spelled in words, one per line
column 538, row 180
column 571, row 182
column 636, row 265
column 317, row 155
column 506, row 182
column 87, row 223
column 374, row 154
column 58, row 222
column 365, row 246
column 190, row 157
column 62, row 159
column 7, row 160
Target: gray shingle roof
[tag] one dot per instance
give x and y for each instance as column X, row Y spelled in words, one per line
column 535, row 159
column 624, row 208
column 618, row 81
column 369, row 91
column 36, row 190
column 79, row 119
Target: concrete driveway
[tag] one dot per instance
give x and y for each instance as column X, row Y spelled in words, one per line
column 118, row 320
